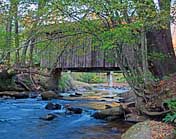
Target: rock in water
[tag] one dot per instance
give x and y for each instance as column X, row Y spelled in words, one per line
column 51, row 106
column 13, row 94
column 150, row 130
column 111, row 112
column 48, row 95
column 75, row 110
column 48, row 117
column 75, row 95
column 33, row 94
column 108, row 106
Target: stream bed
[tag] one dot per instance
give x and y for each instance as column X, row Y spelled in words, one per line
column 20, row 119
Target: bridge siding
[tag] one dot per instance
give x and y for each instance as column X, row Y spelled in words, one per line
column 82, row 56
column 91, row 58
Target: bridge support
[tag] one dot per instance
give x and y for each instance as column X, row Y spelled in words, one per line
column 110, row 78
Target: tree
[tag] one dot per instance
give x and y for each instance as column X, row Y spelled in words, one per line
column 9, row 32
column 160, row 43
column 137, row 32
column 15, row 12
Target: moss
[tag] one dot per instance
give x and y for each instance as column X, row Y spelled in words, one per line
column 6, row 84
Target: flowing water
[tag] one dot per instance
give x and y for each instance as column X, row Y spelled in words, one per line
column 19, row 119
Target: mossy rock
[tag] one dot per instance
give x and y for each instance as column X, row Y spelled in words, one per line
column 150, row 130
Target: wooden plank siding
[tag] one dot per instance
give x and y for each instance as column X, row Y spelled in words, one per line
column 83, row 56
column 86, row 58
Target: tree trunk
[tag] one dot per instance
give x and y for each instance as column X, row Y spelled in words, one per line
column 31, row 51
column 9, row 34
column 16, row 31
column 24, row 52
column 160, row 42
column 52, row 82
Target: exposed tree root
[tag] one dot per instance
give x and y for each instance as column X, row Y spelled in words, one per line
column 24, row 85
column 155, row 114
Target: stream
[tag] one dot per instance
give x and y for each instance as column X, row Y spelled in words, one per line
column 20, row 119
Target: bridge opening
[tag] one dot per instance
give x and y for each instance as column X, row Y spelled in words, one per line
column 109, row 79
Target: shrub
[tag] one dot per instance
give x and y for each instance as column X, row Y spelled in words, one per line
column 65, row 83
column 91, row 78
column 120, row 78
column 171, row 116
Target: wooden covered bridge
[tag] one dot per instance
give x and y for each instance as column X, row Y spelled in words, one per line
column 75, row 52
column 79, row 54
column 81, row 59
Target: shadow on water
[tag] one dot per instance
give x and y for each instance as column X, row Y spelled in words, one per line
column 19, row 119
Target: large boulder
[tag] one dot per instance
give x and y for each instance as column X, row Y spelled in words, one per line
column 111, row 113
column 150, row 130
column 14, row 94
column 48, row 95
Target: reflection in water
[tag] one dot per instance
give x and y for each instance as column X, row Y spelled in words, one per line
column 19, row 119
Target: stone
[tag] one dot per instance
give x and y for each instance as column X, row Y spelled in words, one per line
column 75, row 95
column 111, row 112
column 135, row 118
column 108, row 106
column 75, row 110
column 128, row 96
column 48, row 95
column 115, row 130
column 7, row 97
column 48, row 117
column 51, row 106
column 111, row 118
column 33, row 94
column 150, row 130
column 13, row 94
column 81, row 86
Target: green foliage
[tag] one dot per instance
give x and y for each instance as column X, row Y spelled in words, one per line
column 91, row 78
column 172, row 104
column 2, row 37
column 170, row 117
column 6, row 84
column 65, row 82
column 156, row 56
column 120, row 78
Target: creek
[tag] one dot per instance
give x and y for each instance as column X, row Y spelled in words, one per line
column 20, row 119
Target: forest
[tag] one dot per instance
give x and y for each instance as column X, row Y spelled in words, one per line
column 55, row 57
